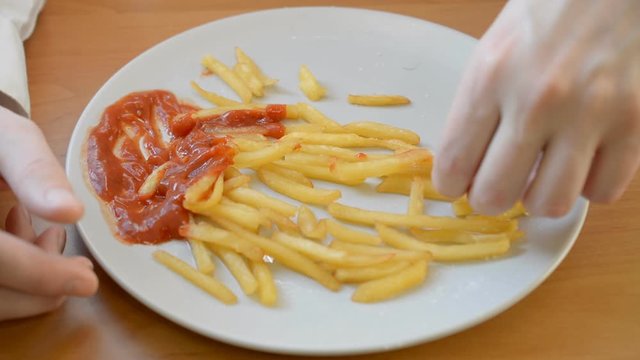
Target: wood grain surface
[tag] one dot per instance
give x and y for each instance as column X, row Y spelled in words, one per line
column 588, row 309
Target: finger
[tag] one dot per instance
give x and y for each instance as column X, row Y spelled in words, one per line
column 560, row 177
column 33, row 172
column 612, row 170
column 52, row 240
column 26, row 268
column 505, row 169
column 472, row 121
column 18, row 223
column 3, row 184
column 16, row 305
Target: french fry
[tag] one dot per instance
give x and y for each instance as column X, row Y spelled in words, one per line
column 367, row 273
column 245, row 144
column 297, row 191
column 309, row 225
column 317, row 172
column 416, row 196
column 339, row 152
column 291, row 174
column 309, row 159
column 345, row 233
column 326, row 254
column 264, row 156
column 243, row 58
column 250, row 79
column 310, row 85
column 285, row 256
column 150, row 184
column 231, row 172
column 259, row 200
column 304, row 127
column 392, row 285
column 413, row 160
column 377, row 130
column 204, row 282
column 212, row 97
column 401, row 184
column 207, row 113
column 370, row 217
column 313, row 116
column 202, row 256
column 398, row 254
column 207, row 233
column 461, row 207
column 228, row 76
column 378, row 100
column 267, row 292
column 247, row 217
column 454, row 252
column 460, row 237
column 282, row 222
column 238, row 268
column 194, row 200
column 236, row 182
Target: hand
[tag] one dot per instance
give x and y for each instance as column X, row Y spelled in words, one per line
column 34, row 276
column 548, row 108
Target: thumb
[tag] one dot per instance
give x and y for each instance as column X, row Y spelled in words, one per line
column 33, row 172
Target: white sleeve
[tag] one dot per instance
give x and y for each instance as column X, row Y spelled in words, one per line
column 17, row 21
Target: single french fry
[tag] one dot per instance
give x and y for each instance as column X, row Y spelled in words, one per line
column 243, row 58
column 247, row 217
column 339, row 152
column 207, row 233
column 461, row 207
column 377, row 130
column 297, row 191
column 401, row 184
column 267, row 292
column 304, row 127
column 454, row 252
column 392, row 285
column 236, row 182
column 419, row 160
column 207, row 113
column 264, row 156
column 231, row 172
column 228, row 76
column 309, row 159
column 291, row 174
column 516, row 211
column 460, row 237
column 317, row 172
column 250, row 79
column 370, row 217
column 151, row 183
column 313, row 116
column 309, row 225
column 245, row 144
column 259, row 200
column 398, row 254
column 310, row 85
column 195, row 198
column 238, row 268
column 367, row 273
column 285, row 256
column 212, row 97
column 416, row 196
column 204, row 282
column 326, row 254
column 378, row 100
column 282, row 222
column 202, row 256
column 342, row 232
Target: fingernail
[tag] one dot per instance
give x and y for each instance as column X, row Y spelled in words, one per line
column 60, row 197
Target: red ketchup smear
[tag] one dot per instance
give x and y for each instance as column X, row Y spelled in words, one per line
column 168, row 132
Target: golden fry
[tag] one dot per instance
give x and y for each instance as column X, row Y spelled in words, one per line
column 212, row 97
column 345, row 233
column 239, row 269
column 267, row 292
column 204, row 282
column 391, row 285
column 378, row 100
column 377, row 130
column 401, row 184
column 202, row 256
column 297, row 191
column 367, row 273
column 310, row 85
column 259, row 200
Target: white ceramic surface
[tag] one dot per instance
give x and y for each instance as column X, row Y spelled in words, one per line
column 350, row 51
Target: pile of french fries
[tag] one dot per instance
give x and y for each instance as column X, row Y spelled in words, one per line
column 385, row 254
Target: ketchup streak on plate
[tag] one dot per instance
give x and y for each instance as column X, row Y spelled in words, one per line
column 144, row 130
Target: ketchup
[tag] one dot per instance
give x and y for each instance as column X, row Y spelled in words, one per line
column 145, row 130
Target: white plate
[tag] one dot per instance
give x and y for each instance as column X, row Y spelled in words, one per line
column 349, row 50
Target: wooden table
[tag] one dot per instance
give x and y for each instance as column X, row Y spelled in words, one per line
column 589, row 308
